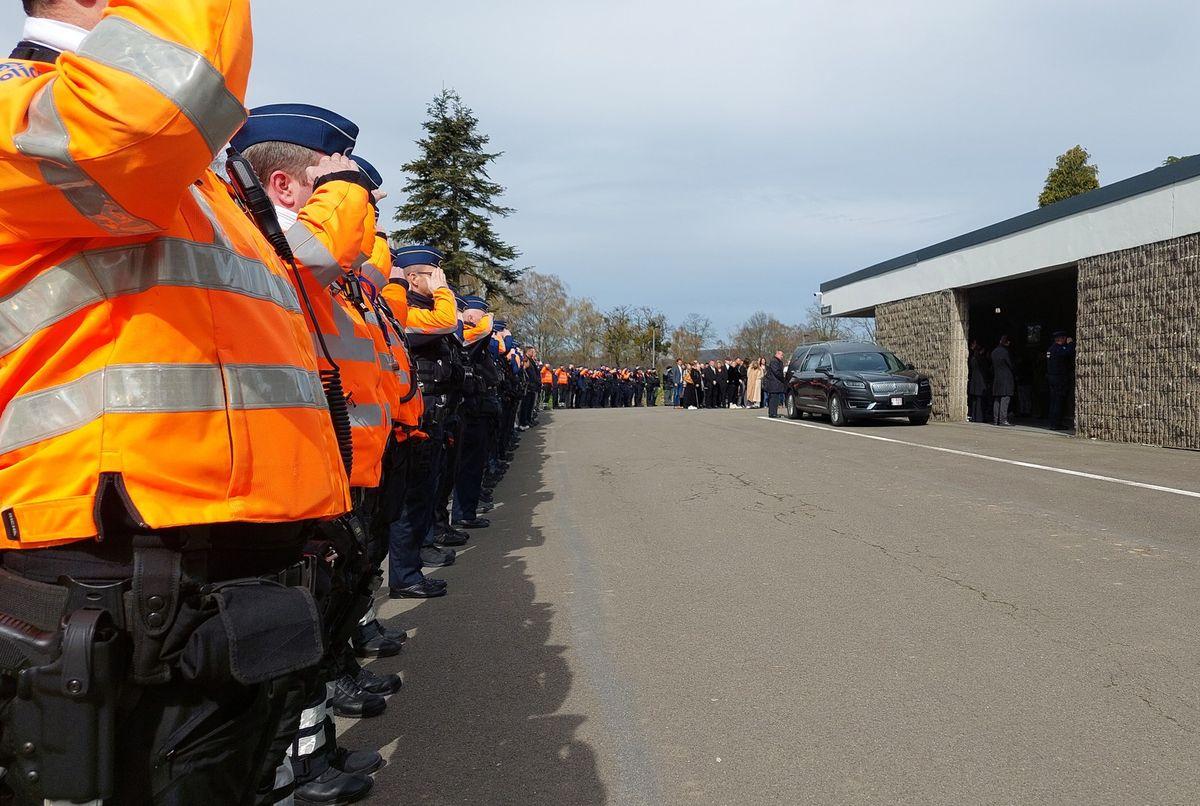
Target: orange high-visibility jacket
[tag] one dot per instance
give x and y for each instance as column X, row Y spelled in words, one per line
column 561, row 377
column 327, row 239
column 547, row 375
column 443, row 318
column 480, row 330
column 151, row 343
column 404, row 401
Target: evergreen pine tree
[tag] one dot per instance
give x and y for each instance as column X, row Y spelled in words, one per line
column 1070, row 176
column 452, row 201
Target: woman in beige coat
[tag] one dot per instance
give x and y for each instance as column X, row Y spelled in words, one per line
column 754, row 378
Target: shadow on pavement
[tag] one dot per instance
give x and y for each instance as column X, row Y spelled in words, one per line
column 476, row 722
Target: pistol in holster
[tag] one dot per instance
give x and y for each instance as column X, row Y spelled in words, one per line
column 60, row 733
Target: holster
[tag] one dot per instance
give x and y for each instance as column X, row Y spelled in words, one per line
column 61, row 733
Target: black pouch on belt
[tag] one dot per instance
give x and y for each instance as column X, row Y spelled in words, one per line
column 259, row 631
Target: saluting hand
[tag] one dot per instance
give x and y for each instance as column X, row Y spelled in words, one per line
column 332, row 164
column 437, row 279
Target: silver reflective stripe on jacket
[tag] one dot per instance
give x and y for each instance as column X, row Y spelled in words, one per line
column 367, row 415
column 313, row 255
column 345, row 345
column 181, row 74
column 91, row 277
column 374, row 275
column 388, row 362
column 46, row 140
column 154, row 389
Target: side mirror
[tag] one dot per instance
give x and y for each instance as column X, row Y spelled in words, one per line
column 909, row 366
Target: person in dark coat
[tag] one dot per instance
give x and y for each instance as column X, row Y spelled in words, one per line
column 774, row 385
column 709, row 396
column 1060, row 364
column 733, row 384
column 1004, row 381
column 652, row 383
column 720, row 378
column 977, row 384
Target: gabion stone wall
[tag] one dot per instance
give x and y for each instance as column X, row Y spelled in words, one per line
column 1138, row 355
column 930, row 331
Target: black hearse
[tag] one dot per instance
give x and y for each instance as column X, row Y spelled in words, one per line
column 854, row 380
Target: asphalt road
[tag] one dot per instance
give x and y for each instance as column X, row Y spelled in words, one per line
column 713, row 608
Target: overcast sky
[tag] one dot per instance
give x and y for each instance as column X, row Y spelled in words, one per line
column 727, row 157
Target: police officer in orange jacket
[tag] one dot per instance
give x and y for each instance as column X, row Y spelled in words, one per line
column 432, row 329
column 324, row 201
column 166, row 443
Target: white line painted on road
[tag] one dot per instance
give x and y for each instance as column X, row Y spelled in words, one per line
column 1049, row 469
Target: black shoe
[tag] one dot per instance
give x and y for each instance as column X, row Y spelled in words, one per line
column 508, row 457
column 356, row 762
column 449, row 536
column 422, row 590
column 485, row 506
column 349, row 699
column 436, row 557
column 474, row 523
column 393, row 634
column 383, row 685
column 377, row 645
column 334, row 787
column 369, row 641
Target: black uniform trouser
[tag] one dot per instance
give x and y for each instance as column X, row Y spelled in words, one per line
column 475, row 435
column 526, row 414
column 203, row 738
column 508, row 421
column 447, row 475
column 652, row 396
column 1058, row 390
column 407, row 533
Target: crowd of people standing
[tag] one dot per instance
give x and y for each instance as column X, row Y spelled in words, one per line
column 718, row 383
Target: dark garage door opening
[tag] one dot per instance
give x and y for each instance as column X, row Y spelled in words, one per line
column 1029, row 310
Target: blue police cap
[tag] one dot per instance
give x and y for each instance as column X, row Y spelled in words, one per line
column 417, row 255
column 499, row 325
column 369, row 171
column 475, row 303
column 301, row 124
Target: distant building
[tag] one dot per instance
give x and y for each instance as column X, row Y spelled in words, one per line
column 1118, row 268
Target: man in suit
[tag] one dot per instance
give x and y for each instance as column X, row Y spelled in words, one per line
column 733, row 383
column 774, row 385
column 1004, row 381
column 677, row 381
column 709, row 374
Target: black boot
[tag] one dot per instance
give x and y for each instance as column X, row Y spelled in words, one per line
column 334, row 787
column 350, row 700
column 382, row 685
column 370, row 642
column 449, row 536
column 356, row 762
column 436, row 556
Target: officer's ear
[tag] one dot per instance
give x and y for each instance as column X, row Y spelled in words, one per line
column 284, row 190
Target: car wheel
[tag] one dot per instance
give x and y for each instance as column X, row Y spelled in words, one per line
column 920, row 419
column 837, row 411
column 790, row 407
